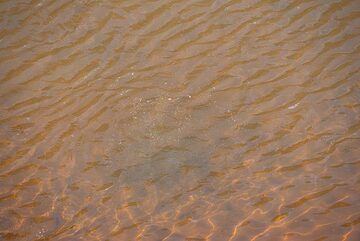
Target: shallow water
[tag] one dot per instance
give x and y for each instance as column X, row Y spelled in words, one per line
column 179, row 120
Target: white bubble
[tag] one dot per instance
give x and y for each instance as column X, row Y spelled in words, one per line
column 293, row 106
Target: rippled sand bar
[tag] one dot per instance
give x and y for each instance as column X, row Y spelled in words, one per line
column 180, row 120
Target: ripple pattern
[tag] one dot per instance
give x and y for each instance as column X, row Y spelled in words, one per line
column 198, row 120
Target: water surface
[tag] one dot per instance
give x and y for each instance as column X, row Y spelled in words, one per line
column 179, row 120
